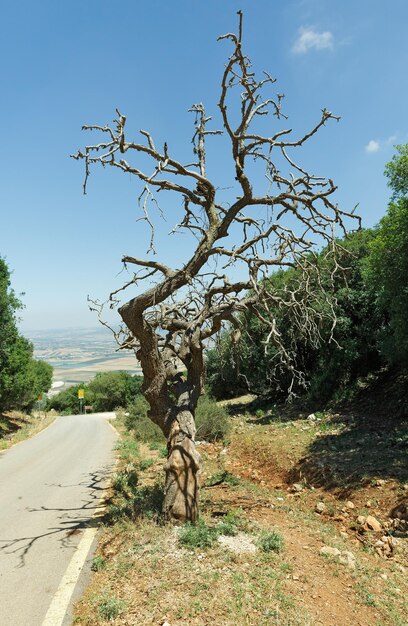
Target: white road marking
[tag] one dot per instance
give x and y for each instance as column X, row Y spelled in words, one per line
column 60, row 602
column 58, row 607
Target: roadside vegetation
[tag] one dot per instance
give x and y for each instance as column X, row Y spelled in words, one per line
column 107, row 391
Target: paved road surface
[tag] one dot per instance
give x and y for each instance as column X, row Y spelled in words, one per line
column 50, row 487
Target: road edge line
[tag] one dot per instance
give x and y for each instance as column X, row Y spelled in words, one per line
column 60, row 602
column 58, row 608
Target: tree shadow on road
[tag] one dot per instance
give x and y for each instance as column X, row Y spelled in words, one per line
column 72, row 520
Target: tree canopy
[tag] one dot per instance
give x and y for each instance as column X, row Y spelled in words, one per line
column 22, row 378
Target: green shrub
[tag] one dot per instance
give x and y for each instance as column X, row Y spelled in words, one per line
column 212, row 420
column 132, row 501
column 140, row 424
column 230, row 523
column 145, row 464
column 198, row 535
column 223, row 476
column 128, row 449
column 271, row 542
column 110, row 607
column 98, row 563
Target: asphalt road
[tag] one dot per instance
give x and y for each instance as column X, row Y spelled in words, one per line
column 50, row 487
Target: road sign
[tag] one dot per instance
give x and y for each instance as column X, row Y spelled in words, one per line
column 81, row 393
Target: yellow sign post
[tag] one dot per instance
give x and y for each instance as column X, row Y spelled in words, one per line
column 81, row 396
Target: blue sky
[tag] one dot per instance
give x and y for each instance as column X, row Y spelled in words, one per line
column 64, row 64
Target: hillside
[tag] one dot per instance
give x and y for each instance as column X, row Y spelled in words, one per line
column 304, row 522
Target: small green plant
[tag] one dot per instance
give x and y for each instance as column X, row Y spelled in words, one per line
column 145, row 464
column 98, row 563
column 271, row 542
column 198, row 535
column 369, row 599
column 259, row 413
column 223, row 477
column 110, row 607
column 230, row 523
column 128, row 448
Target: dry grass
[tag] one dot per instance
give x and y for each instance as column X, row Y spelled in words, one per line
column 146, row 575
column 16, row 426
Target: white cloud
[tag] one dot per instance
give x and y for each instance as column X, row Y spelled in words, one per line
column 372, row 146
column 392, row 139
column 309, row 38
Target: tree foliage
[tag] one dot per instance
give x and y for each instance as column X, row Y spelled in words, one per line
column 371, row 305
column 106, row 392
column 345, row 351
column 22, row 378
column 387, row 265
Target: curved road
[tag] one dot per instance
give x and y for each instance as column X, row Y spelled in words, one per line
column 50, row 487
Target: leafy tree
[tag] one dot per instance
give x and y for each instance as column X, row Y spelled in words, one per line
column 387, row 264
column 110, row 390
column 347, row 351
column 397, row 172
column 66, row 401
column 106, row 392
column 252, row 232
column 21, row 377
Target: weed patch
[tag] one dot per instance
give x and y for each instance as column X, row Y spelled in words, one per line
column 271, row 542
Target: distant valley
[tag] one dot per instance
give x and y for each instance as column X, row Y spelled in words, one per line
column 77, row 354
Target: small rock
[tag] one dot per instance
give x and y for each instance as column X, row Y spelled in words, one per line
column 373, row 524
column 297, row 487
column 343, row 534
column 380, row 482
column 361, row 520
column 280, row 499
column 348, row 558
column 320, row 507
column 350, row 505
column 384, row 576
column 311, row 417
column 369, row 504
column 329, row 551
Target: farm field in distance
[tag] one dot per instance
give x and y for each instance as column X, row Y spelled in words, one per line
column 77, row 354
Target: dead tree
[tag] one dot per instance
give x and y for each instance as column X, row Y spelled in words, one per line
column 171, row 321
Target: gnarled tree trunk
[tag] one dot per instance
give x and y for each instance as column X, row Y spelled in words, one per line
column 182, row 468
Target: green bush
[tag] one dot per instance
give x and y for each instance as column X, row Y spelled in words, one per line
column 140, row 424
column 198, row 535
column 98, row 563
column 110, row 607
column 271, row 542
column 212, row 420
column 131, row 500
